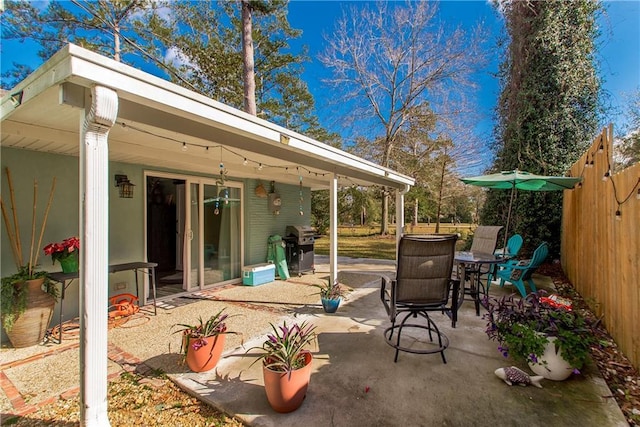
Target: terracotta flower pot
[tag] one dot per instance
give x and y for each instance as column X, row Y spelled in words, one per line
column 31, row 326
column 286, row 390
column 206, row 357
column 556, row 368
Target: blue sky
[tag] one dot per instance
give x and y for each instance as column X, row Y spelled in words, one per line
column 619, row 53
column 619, row 57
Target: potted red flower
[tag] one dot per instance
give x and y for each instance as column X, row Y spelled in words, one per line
column 66, row 253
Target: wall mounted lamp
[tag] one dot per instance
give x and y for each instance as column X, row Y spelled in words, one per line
column 126, row 187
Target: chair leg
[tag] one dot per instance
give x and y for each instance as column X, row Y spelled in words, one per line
column 431, row 327
column 432, row 324
column 519, row 284
column 491, row 275
column 393, row 327
column 532, row 285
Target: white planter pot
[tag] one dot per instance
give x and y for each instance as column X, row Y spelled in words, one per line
column 556, row 368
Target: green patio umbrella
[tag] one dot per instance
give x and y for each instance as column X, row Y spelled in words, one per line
column 521, row 180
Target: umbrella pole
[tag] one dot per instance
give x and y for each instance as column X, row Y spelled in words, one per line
column 506, row 229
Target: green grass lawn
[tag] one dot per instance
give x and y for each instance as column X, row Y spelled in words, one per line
column 378, row 247
column 364, row 242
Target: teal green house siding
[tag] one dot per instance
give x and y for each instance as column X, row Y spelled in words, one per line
column 126, row 216
column 260, row 223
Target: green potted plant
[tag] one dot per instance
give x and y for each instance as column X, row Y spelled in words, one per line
column 552, row 338
column 66, row 253
column 28, row 298
column 331, row 293
column 286, row 365
column 15, row 291
column 203, row 342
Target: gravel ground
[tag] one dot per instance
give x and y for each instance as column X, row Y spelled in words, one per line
column 148, row 399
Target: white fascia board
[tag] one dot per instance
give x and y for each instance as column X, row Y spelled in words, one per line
column 52, row 72
column 349, row 160
column 144, row 91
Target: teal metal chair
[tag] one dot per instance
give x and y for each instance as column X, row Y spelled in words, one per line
column 518, row 273
column 513, row 247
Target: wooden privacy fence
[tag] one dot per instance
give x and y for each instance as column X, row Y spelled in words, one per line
column 601, row 242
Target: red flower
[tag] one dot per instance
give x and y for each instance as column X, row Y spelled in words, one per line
column 68, row 247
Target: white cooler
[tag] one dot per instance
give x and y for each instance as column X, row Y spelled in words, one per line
column 258, row 274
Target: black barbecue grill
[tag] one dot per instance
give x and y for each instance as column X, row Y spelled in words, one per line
column 299, row 242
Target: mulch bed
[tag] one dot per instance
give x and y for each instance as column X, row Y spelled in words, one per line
column 621, row 377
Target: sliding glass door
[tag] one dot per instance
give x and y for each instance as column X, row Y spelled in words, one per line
column 194, row 231
column 215, row 233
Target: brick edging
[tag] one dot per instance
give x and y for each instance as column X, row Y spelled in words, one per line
column 127, row 362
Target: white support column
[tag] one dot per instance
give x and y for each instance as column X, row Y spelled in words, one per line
column 333, row 229
column 94, row 259
column 399, row 216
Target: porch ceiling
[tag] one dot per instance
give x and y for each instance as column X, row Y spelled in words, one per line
column 155, row 119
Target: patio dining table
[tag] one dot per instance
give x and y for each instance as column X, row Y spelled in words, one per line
column 475, row 260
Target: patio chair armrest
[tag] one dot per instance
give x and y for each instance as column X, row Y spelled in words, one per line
column 521, row 267
column 515, row 264
column 387, row 295
column 509, row 263
column 383, row 286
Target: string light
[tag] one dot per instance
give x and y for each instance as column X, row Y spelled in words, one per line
column 245, row 161
column 301, row 196
column 608, row 175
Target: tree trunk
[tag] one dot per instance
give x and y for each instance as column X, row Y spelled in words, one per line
column 247, row 58
column 440, row 188
column 116, row 43
column 415, row 213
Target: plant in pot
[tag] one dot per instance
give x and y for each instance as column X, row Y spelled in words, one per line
column 66, row 253
column 286, row 365
column 203, row 342
column 331, row 293
column 27, row 296
column 552, row 338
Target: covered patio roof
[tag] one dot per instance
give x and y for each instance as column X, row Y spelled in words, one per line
column 82, row 104
column 163, row 125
